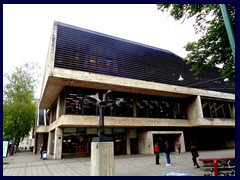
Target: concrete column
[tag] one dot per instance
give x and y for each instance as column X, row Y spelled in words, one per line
column 102, row 159
column 233, row 112
column 134, row 109
column 145, row 142
column 194, row 109
column 49, row 142
column 128, row 141
column 181, row 140
column 58, row 143
column 58, row 107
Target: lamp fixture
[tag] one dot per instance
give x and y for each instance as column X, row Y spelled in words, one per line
column 180, row 78
column 226, row 80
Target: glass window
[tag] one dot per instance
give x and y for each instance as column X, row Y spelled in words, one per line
column 81, row 130
column 142, row 108
column 133, row 133
column 108, row 130
column 217, row 109
column 154, row 111
column 90, row 106
column 54, row 112
column 179, row 112
column 212, row 109
column 70, row 130
column 109, row 110
column 166, row 109
column 122, row 104
column 206, row 108
column 123, row 107
column 118, row 130
column 41, row 114
column 74, row 103
column 91, row 131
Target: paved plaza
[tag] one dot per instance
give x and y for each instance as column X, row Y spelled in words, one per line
column 24, row 163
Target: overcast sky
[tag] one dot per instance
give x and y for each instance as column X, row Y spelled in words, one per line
column 27, row 28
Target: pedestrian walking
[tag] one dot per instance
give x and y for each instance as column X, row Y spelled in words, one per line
column 195, row 154
column 14, row 149
column 41, row 150
column 10, row 149
column 178, row 145
column 156, row 152
column 167, row 152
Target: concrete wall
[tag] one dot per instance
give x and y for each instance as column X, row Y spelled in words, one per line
column 58, row 143
column 127, row 122
column 145, row 143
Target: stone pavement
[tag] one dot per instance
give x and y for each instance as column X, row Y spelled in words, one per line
column 27, row 164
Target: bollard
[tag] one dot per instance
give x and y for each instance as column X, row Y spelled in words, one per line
column 215, row 167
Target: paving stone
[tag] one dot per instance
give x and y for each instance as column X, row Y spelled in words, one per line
column 27, row 164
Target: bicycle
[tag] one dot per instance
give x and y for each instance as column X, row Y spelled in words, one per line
column 210, row 173
column 224, row 169
column 227, row 173
column 227, row 170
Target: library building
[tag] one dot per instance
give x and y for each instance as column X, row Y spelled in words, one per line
column 154, row 97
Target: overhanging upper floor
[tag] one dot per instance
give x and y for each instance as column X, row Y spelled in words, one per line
column 65, row 77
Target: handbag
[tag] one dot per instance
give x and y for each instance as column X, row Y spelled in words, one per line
column 159, row 156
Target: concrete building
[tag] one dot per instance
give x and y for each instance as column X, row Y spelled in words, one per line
column 27, row 142
column 148, row 101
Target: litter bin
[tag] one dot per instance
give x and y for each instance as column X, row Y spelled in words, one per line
column 44, row 155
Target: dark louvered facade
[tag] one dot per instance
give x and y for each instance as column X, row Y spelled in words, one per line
column 89, row 51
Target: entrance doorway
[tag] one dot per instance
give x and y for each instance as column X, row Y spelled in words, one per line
column 162, row 138
column 170, row 136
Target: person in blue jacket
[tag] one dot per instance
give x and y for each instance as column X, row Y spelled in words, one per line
column 167, row 152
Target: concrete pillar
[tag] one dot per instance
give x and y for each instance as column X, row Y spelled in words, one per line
column 49, row 142
column 233, row 112
column 181, row 140
column 102, row 159
column 145, row 142
column 134, row 109
column 128, row 141
column 58, row 143
column 194, row 110
column 58, row 106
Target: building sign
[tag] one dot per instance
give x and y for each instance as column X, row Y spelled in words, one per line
column 5, row 148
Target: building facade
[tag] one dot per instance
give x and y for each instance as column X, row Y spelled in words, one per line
column 147, row 103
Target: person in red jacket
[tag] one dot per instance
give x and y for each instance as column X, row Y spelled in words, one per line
column 156, row 152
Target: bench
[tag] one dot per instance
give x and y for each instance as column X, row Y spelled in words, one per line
column 209, row 161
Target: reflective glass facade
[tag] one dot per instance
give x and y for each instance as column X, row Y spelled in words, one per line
column 125, row 105
column 218, row 108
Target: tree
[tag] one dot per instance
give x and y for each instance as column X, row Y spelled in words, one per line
column 19, row 106
column 213, row 48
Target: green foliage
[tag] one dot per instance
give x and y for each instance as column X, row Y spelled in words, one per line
column 19, row 107
column 213, row 48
